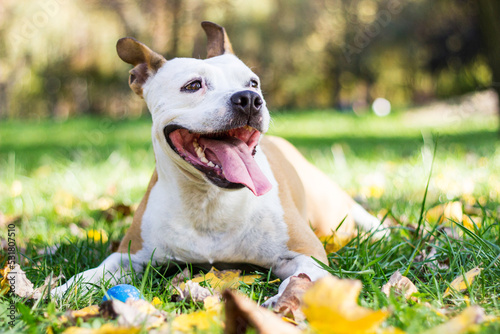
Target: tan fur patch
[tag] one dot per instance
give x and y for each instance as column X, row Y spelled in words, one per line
column 292, row 196
column 133, row 235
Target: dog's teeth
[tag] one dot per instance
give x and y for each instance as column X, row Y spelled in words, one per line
column 210, row 164
column 204, row 160
column 248, row 127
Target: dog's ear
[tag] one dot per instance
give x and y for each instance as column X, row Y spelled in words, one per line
column 217, row 41
column 146, row 62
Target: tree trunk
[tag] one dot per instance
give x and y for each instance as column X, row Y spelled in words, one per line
column 489, row 14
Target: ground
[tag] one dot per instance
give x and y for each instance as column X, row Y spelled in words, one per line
column 61, row 180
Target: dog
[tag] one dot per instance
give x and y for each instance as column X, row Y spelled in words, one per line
column 221, row 190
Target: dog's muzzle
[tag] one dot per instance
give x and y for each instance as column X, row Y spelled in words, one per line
column 225, row 157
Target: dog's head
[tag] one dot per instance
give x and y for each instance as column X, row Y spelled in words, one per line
column 208, row 115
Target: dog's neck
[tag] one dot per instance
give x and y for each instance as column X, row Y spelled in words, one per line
column 204, row 204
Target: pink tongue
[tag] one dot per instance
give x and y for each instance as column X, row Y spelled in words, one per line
column 238, row 164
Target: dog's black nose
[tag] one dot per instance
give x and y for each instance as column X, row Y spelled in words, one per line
column 247, row 102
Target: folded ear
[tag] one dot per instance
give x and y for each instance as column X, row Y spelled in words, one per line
column 217, row 41
column 146, row 62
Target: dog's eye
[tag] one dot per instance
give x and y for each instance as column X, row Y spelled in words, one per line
column 254, row 84
column 192, row 86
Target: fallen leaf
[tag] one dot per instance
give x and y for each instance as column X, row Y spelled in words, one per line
column 390, row 330
column 471, row 222
column 49, row 284
column 181, row 277
column 335, row 241
column 221, row 280
column 330, row 306
column 428, row 256
column 445, row 212
column 212, row 303
column 200, row 320
column 462, row 323
column 242, row 312
column 459, row 284
column 84, row 313
column 116, row 211
column 104, row 329
column 4, row 283
column 133, row 313
column 193, row 291
column 22, row 285
column 401, row 286
column 288, row 304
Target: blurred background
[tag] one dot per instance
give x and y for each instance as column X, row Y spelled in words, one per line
column 58, row 58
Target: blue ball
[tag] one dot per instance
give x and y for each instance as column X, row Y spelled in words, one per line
column 122, row 292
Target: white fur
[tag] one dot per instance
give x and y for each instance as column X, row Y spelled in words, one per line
column 187, row 218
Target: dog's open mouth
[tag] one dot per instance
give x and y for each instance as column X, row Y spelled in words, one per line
column 226, row 158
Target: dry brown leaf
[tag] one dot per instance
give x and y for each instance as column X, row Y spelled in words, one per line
column 462, row 323
column 428, row 256
column 181, row 277
column 193, row 291
column 401, row 286
column 49, row 284
column 23, row 286
column 242, row 312
column 288, row 305
column 133, row 313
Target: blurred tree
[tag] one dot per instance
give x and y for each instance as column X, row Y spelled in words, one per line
column 489, row 17
column 58, row 58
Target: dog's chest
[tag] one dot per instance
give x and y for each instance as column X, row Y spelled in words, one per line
column 230, row 228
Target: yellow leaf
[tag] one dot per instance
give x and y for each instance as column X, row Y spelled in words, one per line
column 104, row 329
column 462, row 323
column 445, row 212
column 200, row 321
column 471, row 221
column 212, row 304
column 390, row 330
column 97, row 235
column 4, row 284
column 459, row 284
column 221, row 280
column 156, row 301
column 335, row 241
column 86, row 312
column 330, row 306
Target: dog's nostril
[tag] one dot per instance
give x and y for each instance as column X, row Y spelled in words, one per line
column 257, row 102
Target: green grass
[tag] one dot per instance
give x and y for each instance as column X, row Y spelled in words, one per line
column 55, row 179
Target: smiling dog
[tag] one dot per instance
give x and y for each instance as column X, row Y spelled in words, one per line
column 221, row 191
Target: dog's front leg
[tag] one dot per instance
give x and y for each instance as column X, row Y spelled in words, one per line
column 294, row 265
column 115, row 268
